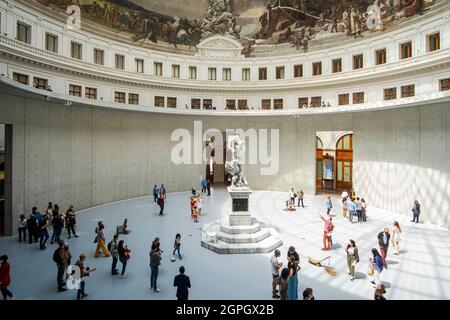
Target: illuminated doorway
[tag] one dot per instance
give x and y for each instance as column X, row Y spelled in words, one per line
column 334, row 160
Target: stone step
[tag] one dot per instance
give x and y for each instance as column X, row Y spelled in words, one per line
column 253, row 228
column 244, row 237
column 269, row 244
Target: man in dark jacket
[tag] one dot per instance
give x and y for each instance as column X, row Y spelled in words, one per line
column 62, row 258
column 383, row 242
column 183, row 283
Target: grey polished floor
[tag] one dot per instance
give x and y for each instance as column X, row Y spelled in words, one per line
column 420, row 272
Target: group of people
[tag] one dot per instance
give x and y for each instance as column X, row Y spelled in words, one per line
column 37, row 224
column 291, row 201
column 286, row 279
column 353, row 206
column 159, row 197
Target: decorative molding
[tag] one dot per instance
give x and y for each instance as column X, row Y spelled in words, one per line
column 220, row 47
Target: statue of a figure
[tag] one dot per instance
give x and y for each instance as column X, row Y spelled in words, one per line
column 220, row 19
column 234, row 165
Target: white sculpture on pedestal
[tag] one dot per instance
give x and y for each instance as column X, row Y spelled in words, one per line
column 234, row 165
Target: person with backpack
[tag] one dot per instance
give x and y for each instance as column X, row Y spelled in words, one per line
column 383, row 241
column 62, row 258
column 100, row 240
column 327, row 230
column 377, row 266
column 112, row 247
column 124, row 256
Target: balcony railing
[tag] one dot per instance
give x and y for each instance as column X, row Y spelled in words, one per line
column 25, row 50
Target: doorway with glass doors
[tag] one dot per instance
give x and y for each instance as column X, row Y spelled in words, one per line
column 334, row 161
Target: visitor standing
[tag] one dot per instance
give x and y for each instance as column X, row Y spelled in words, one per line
column 124, row 256
column 84, row 272
column 377, row 265
column 195, row 214
column 364, row 210
column 37, row 215
column 193, row 204
column 276, row 265
column 345, row 208
column 327, row 231
column 351, row 209
column 284, row 283
column 162, row 191
column 204, row 185
column 112, row 247
column 344, row 196
column 300, row 198
column 155, row 262
column 292, row 196
column 100, row 240
column 156, row 245
column 199, row 204
column 71, row 222
column 62, row 258
column 32, row 228
column 183, row 283
column 208, row 187
column 22, row 228
column 49, row 210
column 55, row 211
column 329, row 205
column 58, row 226
column 155, row 193
column 352, row 258
column 161, row 200
column 43, row 232
column 396, row 237
column 293, row 264
column 177, row 245
column 416, row 211
column 383, row 242
column 359, row 208
column 5, row 278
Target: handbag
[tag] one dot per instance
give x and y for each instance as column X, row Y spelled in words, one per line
column 370, row 269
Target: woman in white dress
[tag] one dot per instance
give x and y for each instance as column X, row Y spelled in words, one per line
column 396, row 237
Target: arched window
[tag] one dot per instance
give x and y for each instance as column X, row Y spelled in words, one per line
column 344, row 162
column 345, row 143
column 319, row 144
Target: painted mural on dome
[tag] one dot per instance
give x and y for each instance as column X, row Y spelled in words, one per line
column 253, row 22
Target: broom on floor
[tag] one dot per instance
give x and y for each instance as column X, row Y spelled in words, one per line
column 318, row 263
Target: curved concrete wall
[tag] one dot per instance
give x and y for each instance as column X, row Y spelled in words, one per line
column 89, row 156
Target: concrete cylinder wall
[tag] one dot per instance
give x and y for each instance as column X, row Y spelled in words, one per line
column 89, row 156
